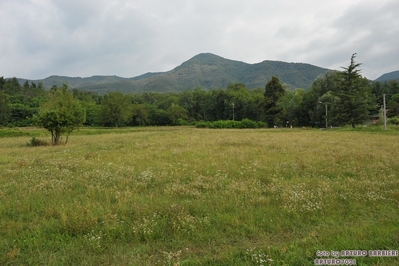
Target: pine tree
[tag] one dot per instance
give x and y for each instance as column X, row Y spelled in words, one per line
column 354, row 93
column 273, row 92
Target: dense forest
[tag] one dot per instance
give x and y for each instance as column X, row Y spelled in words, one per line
column 337, row 98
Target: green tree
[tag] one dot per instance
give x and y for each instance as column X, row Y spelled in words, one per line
column 116, row 108
column 274, row 90
column 199, row 105
column 354, row 94
column 176, row 112
column 158, row 117
column 60, row 114
column 393, row 106
column 140, row 114
column 323, row 89
column 290, row 104
column 5, row 110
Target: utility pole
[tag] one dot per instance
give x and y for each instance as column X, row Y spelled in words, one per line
column 326, row 117
column 385, row 113
column 233, row 111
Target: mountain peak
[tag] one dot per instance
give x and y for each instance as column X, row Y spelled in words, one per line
column 204, row 70
column 204, row 58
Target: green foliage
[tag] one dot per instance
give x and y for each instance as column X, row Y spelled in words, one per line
column 274, row 90
column 177, row 112
column 393, row 105
column 189, row 196
column 290, row 104
column 159, row 117
column 354, row 92
column 116, row 109
column 19, row 103
column 21, row 114
column 182, row 122
column 393, row 120
column 389, row 76
column 202, row 124
column 34, row 142
column 348, row 96
column 299, row 108
column 5, row 110
column 245, row 123
column 207, row 71
column 60, row 114
column 21, row 132
column 140, row 114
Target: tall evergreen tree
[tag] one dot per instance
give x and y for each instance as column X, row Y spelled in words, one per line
column 274, row 90
column 354, row 94
column 5, row 110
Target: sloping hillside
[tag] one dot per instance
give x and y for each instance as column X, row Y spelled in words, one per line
column 207, row 71
column 389, row 76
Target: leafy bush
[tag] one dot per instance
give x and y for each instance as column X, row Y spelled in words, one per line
column 224, row 124
column 4, row 133
column 182, row 122
column 201, row 124
column 34, row 142
column 393, row 120
column 262, row 124
column 245, row 123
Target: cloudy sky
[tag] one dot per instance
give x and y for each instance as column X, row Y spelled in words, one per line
column 127, row 38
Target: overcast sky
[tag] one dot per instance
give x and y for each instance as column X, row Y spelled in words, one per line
column 127, row 38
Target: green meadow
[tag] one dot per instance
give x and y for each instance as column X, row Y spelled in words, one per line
column 189, row 196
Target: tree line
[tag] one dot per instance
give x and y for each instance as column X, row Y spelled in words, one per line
column 339, row 97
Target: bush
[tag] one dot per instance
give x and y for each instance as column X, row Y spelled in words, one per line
column 246, row 123
column 182, row 122
column 224, row 124
column 393, row 120
column 34, row 142
column 201, row 124
column 262, row 124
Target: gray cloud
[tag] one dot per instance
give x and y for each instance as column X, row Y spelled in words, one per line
column 128, row 38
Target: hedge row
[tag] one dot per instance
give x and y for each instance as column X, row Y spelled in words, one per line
column 245, row 123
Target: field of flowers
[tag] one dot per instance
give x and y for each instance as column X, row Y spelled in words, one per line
column 189, row 196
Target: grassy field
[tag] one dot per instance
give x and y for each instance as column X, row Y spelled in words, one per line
column 187, row 196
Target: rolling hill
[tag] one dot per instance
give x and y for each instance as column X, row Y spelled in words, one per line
column 207, row 71
column 389, row 76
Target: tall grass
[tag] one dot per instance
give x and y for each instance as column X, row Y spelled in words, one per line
column 187, row 196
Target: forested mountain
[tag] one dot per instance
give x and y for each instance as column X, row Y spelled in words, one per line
column 389, row 76
column 207, row 71
column 335, row 98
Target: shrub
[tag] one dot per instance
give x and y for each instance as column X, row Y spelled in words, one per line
column 182, row 122
column 262, row 124
column 246, row 123
column 34, row 142
column 201, row 124
column 224, row 124
column 393, row 120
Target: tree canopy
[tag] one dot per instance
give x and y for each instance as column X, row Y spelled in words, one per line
column 115, row 109
column 353, row 94
column 274, row 90
column 350, row 100
column 60, row 114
